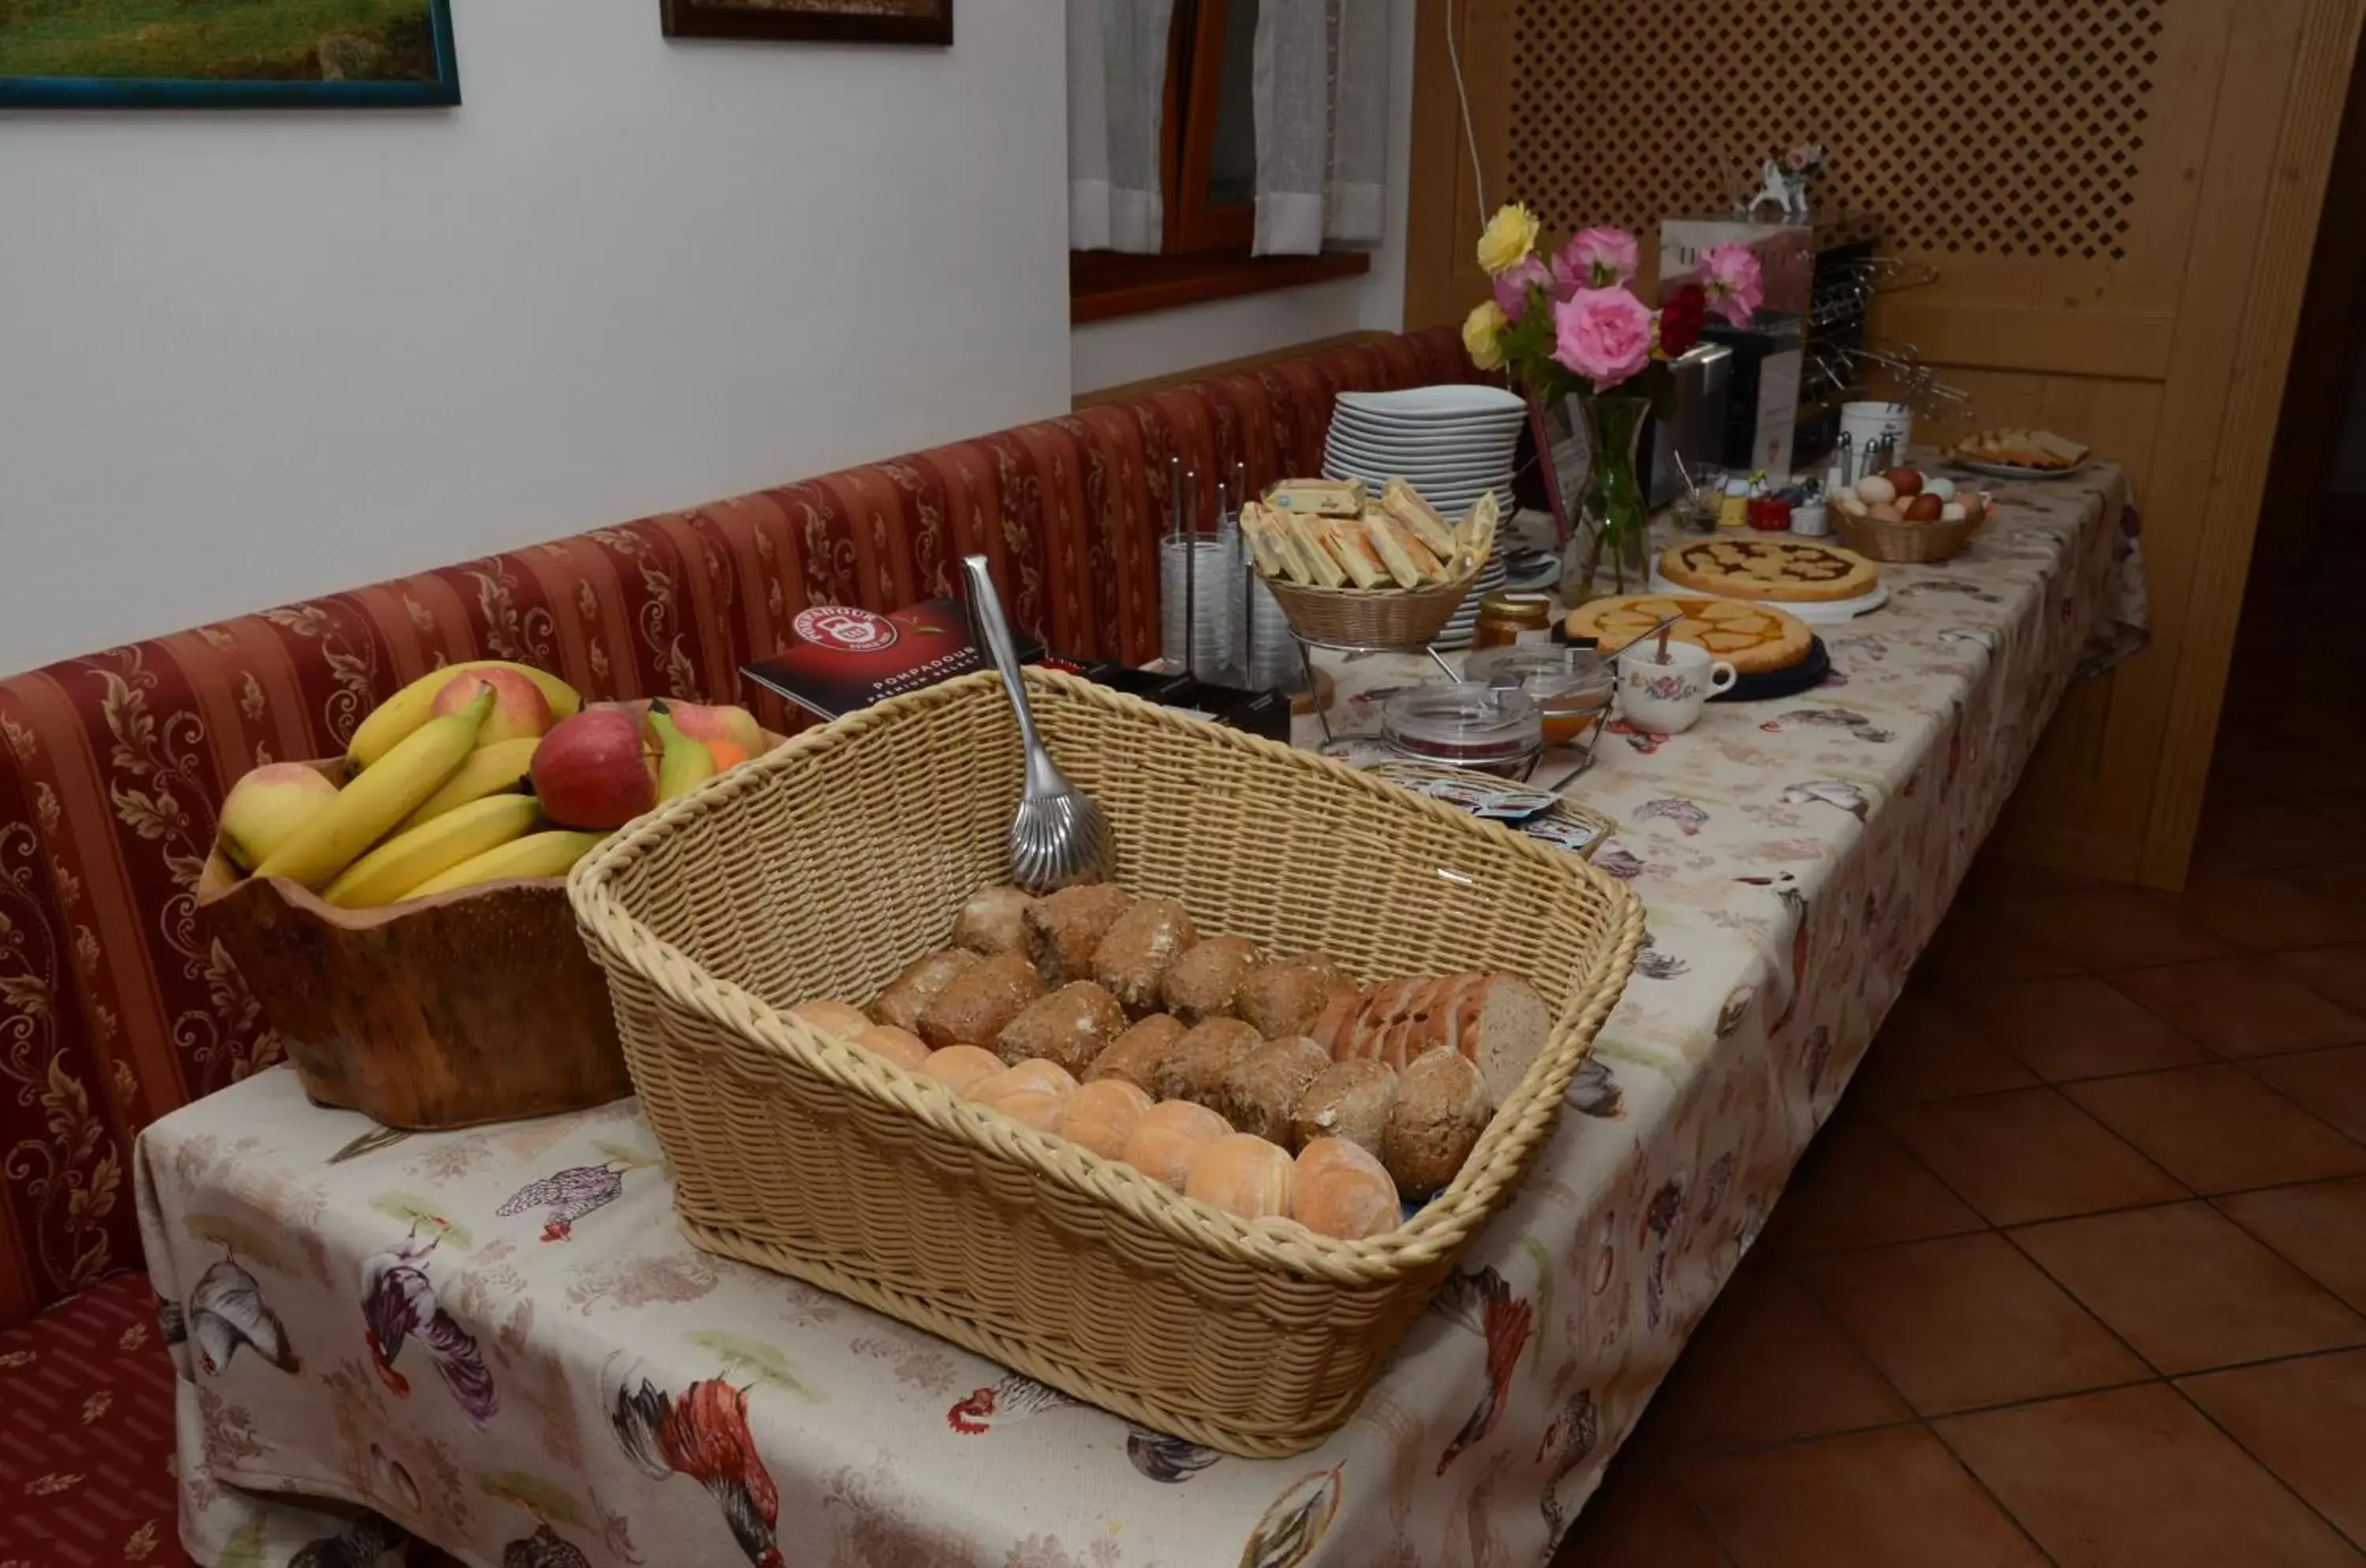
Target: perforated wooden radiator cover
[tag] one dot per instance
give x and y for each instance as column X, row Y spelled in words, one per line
column 2008, row 129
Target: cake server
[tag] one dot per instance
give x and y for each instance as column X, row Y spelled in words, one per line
column 1058, row 836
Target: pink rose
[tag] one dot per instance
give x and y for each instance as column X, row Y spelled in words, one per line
column 1604, row 335
column 1512, row 288
column 1597, row 258
column 1736, row 288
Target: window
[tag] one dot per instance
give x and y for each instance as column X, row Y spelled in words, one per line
column 1208, row 183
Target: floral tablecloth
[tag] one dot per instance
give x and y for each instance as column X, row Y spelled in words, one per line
column 499, row 1341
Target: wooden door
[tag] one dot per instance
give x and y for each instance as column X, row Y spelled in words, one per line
column 2119, row 199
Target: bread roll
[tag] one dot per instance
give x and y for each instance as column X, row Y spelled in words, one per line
column 1206, row 981
column 902, row 1002
column 1036, row 1072
column 1071, row 1026
column 1136, row 948
column 994, row 920
column 1134, row 1055
column 976, row 1003
column 1170, row 1135
column 1263, row 1087
column 900, row 1046
column 1103, row 1115
column 1442, row 1106
column 1035, row 1092
column 1201, row 1061
column 961, row 1066
column 1242, row 1174
column 831, row 1018
column 1344, row 1190
column 1281, row 999
column 1064, row 928
column 1347, row 1099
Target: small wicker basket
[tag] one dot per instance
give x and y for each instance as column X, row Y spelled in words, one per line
column 1370, row 617
column 822, row 869
column 1905, row 543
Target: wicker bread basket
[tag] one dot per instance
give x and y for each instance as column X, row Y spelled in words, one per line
column 820, row 869
column 1370, row 617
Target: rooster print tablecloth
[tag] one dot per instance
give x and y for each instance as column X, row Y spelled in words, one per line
column 498, row 1341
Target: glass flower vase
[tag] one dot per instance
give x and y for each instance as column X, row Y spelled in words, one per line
column 1610, row 538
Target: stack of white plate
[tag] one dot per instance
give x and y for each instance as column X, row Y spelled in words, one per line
column 1453, row 444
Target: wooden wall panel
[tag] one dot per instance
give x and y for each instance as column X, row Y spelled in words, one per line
column 2109, row 192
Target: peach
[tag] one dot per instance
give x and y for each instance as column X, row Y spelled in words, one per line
column 265, row 806
column 703, row 721
column 593, row 772
column 520, row 710
column 726, row 755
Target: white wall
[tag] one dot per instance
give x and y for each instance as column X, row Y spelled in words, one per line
column 245, row 358
column 1135, row 348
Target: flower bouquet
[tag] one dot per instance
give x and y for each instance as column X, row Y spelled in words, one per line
column 1570, row 333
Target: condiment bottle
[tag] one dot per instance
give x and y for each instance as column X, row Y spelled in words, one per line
column 1734, row 511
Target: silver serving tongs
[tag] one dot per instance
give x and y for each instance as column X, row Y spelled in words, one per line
column 1058, row 836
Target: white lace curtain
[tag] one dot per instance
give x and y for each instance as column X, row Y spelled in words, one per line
column 1321, row 89
column 1117, row 90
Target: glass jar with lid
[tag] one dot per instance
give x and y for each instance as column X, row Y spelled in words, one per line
column 1489, row 729
column 1570, row 686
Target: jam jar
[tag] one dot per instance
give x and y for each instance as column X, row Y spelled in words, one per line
column 1503, row 616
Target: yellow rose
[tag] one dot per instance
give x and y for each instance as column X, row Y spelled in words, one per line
column 1483, row 330
column 1511, row 235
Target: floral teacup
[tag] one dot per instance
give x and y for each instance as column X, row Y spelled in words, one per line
column 1667, row 698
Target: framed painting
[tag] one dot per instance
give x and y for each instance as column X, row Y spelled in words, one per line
column 227, row 53
column 838, row 21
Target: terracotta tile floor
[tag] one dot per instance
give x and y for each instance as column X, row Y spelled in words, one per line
column 2076, row 1272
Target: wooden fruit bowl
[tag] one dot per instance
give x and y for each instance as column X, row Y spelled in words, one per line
column 477, row 1004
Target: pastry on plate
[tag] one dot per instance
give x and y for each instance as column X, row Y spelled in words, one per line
column 2020, row 448
column 1753, row 639
column 1768, row 568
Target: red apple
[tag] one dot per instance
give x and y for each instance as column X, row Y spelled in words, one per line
column 592, row 771
column 520, row 710
column 702, row 721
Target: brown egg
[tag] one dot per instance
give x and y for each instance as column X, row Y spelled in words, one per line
column 1169, row 1136
column 1886, row 512
column 831, row 1018
column 1243, row 1174
column 959, row 1067
column 1924, row 508
column 1103, row 1115
column 900, row 1046
column 1344, row 1190
column 1905, row 481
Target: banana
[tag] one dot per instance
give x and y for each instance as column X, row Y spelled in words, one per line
column 403, row 862
column 489, row 770
column 686, row 763
column 407, row 708
column 536, row 854
column 335, row 836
